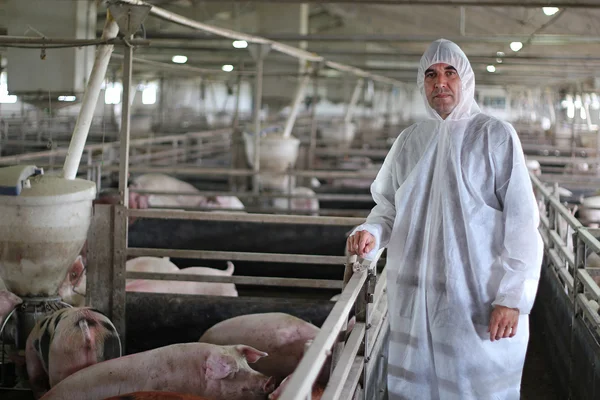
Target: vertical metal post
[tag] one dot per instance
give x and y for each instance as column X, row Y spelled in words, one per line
column 258, row 52
column 121, row 221
column 125, row 127
column 235, row 135
column 313, row 119
column 89, row 165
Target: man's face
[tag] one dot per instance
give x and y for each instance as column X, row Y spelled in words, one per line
column 442, row 88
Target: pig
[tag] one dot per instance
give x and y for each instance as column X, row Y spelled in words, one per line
column 153, row 264
column 281, row 335
column 300, row 204
column 8, row 302
column 317, row 390
column 165, row 183
column 215, row 372
column 65, row 342
column 73, row 288
column 229, row 202
column 156, row 396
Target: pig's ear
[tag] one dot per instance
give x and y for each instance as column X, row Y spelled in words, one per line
column 220, row 366
column 250, row 353
column 76, row 269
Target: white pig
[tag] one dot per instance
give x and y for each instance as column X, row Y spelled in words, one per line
column 281, row 335
column 216, row 372
column 73, row 288
column 65, row 342
column 165, row 183
column 153, row 264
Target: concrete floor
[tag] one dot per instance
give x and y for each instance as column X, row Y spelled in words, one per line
column 538, row 381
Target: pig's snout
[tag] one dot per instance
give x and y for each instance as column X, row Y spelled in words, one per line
column 269, row 385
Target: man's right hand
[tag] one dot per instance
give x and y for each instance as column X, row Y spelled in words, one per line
column 361, row 243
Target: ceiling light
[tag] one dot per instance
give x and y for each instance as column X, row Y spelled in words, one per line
column 227, row 68
column 491, row 68
column 179, row 59
column 499, row 60
column 500, row 54
column 67, row 98
column 516, row 46
column 240, row 44
column 550, row 10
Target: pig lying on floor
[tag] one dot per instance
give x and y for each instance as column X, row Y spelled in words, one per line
column 166, row 183
column 65, row 342
column 215, row 372
column 73, row 288
column 281, row 335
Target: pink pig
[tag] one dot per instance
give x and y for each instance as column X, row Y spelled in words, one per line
column 66, row 341
column 281, row 335
column 215, row 372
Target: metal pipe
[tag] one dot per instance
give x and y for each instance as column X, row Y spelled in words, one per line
column 289, row 124
column 90, row 98
column 451, row 3
column 194, row 171
column 125, row 128
column 239, row 280
column 241, row 217
column 313, row 121
column 307, row 371
column 237, row 256
column 353, row 101
column 105, row 40
column 260, row 56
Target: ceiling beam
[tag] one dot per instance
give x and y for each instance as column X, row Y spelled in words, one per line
column 451, row 3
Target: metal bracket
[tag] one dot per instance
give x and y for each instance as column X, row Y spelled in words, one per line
column 128, row 17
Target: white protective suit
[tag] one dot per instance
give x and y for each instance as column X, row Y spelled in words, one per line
column 456, row 210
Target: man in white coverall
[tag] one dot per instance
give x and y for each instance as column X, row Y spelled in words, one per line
column 456, row 211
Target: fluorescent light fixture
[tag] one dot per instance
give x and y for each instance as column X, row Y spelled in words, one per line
column 240, row 44
column 179, row 59
column 578, row 102
column 491, row 68
column 67, row 98
column 227, row 68
column 582, row 113
column 499, row 60
column 550, row 10
column 500, row 54
column 516, row 46
column 571, row 111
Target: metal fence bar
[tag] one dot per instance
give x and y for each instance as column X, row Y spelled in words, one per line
column 335, row 386
column 239, row 280
column 306, row 373
column 243, row 217
column 237, row 256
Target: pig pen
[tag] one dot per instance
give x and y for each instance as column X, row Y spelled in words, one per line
column 277, row 269
column 564, row 311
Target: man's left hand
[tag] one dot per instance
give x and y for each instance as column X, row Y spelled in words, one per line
column 503, row 322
